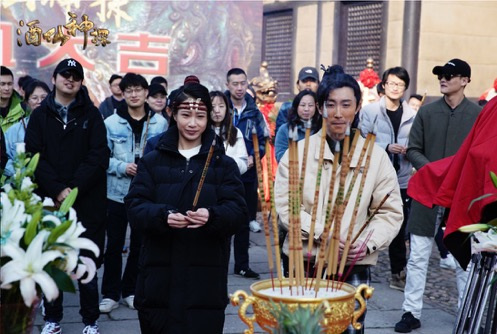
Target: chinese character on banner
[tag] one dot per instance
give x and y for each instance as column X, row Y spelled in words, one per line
column 7, row 54
column 70, row 50
column 141, row 57
column 111, row 7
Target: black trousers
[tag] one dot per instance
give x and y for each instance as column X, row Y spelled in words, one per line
column 113, row 286
column 242, row 237
column 397, row 250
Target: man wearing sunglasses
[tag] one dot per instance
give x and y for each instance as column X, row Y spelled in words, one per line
column 437, row 132
column 69, row 133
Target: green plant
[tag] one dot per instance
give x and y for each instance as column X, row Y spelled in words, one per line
column 301, row 320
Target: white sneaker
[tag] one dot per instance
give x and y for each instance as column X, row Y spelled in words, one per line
column 448, row 262
column 107, row 305
column 91, row 329
column 254, row 226
column 129, row 302
column 51, row 328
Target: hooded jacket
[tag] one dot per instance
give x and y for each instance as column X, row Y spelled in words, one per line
column 182, row 283
column 72, row 155
column 16, row 112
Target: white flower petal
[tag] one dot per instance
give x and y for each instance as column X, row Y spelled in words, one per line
column 47, row 201
column 47, row 284
column 28, row 290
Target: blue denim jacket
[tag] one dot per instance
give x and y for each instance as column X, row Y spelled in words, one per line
column 121, row 143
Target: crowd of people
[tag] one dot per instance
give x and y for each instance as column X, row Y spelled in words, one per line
column 179, row 171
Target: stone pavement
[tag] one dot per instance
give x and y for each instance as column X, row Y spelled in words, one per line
column 384, row 308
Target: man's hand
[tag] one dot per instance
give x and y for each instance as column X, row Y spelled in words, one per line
column 62, row 196
column 355, row 251
column 177, row 220
column 131, row 169
column 250, row 161
column 397, row 149
column 197, row 218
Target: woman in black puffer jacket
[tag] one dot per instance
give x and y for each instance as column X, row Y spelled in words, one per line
column 182, row 281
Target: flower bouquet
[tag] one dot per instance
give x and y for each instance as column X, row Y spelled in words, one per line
column 40, row 247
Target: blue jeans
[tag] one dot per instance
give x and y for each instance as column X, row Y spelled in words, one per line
column 112, row 284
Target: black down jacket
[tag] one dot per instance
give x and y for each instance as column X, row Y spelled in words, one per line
column 182, row 280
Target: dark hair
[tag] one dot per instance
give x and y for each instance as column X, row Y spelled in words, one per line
column 6, row 71
column 399, row 72
column 33, row 84
column 380, row 89
column 192, row 91
column 226, row 124
column 158, row 80
column 293, row 115
column 133, row 80
column 416, row 96
column 24, row 81
column 114, row 77
column 334, row 77
column 235, row 71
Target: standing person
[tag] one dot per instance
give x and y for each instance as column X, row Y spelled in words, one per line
column 308, row 79
column 394, row 119
column 69, row 133
column 161, row 81
column 341, row 96
column 182, row 283
column 415, row 102
column 246, row 117
column 437, row 132
column 156, row 99
column 303, row 109
column 232, row 137
column 11, row 107
column 34, row 94
column 127, row 133
column 110, row 105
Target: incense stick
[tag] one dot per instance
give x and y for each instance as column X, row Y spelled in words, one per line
column 371, row 217
column 204, row 174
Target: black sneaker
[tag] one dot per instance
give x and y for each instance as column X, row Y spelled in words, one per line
column 249, row 273
column 407, row 323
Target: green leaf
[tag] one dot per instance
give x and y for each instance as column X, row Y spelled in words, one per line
column 69, row 201
column 494, row 179
column 33, row 163
column 62, row 280
column 479, row 199
column 493, row 222
column 58, row 231
column 31, row 229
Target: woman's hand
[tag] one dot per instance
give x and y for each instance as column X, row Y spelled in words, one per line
column 197, row 218
column 177, row 220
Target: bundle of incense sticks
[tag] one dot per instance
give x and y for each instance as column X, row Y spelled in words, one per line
column 329, row 250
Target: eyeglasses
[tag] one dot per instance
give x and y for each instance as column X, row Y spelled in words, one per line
column 398, row 85
column 447, row 77
column 75, row 75
column 129, row 91
column 37, row 98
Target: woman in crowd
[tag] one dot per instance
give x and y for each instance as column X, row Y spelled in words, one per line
column 35, row 92
column 303, row 109
column 232, row 137
column 156, row 99
column 182, row 284
column 339, row 94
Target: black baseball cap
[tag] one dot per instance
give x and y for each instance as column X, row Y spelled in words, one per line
column 69, row 64
column 454, row 66
column 308, row 72
column 155, row 89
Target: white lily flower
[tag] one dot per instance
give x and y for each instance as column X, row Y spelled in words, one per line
column 88, row 266
column 13, row 216
column 27, row 267
column 51, row 218
column 47, row 201
column 26, row 183
column 20, row 147
column 72, row 239
column 7, row 187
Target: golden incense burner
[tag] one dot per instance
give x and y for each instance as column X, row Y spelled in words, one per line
column 340, row 310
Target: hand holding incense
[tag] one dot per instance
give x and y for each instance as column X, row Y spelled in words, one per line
column 204, row 174
column 371, row 217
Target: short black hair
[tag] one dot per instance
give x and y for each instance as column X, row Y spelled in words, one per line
column 114, row 77
column 416, row 96
column 158, row 80
column 133, row 80
column 6, row 71
column 399, row 72
column 24, row 81
column 235, row 71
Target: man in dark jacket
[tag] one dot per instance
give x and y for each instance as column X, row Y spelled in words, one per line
column 246, row 117
column 69, row 133
column 110, row 105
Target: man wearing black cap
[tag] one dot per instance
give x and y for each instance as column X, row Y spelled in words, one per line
column 437, row 132
column 308, row 79
column 69, row 133
column 110, row 105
